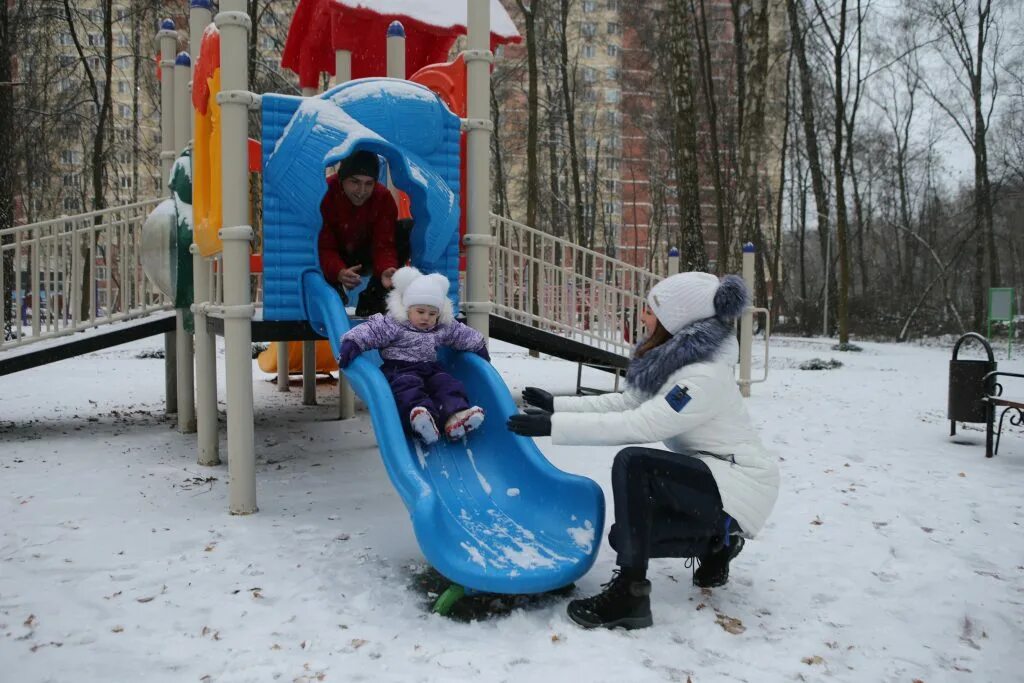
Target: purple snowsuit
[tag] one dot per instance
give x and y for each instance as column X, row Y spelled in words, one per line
column 410, row 362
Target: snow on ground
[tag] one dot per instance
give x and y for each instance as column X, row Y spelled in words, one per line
column 894, row 554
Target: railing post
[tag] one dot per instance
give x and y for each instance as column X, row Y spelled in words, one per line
column 208, row 440
column 673, row 261
column 478, row 238
column 747, row 321
column 185, row 357
column 233, row 22
column 168, row 39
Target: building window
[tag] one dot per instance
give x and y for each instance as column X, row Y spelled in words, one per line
column 93, row 62
column 69, row 156
column 611, row 164
column 612, row 50
column 613, row 5
column 122, row 14
column 123, row 41
column 588, row 52
column 66, row 39
column 613, row 28
column 612, row 73
column 126, row 182
column 122, row 87
column 72, row 180
column 588, row 29
column 589, row 75
column 96, row 39
column 611, row 95
column 609, row 185
column 589, row 5
column 611, row 118
column 71, row 204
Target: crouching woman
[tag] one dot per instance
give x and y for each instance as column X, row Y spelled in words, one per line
column 716, row 483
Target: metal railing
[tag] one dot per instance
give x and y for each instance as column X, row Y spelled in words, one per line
column 80, row 271
column 550, row 283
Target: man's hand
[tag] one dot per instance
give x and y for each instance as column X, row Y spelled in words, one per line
column 350, row 276
column 385, row 277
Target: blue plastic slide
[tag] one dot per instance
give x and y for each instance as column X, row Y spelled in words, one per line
column 490, row 512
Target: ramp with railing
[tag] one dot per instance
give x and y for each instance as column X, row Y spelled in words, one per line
column 557, row 297
column 78, row 286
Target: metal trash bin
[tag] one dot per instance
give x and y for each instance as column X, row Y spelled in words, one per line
column 968, row 386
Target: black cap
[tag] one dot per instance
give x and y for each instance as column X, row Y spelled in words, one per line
column 359, row 163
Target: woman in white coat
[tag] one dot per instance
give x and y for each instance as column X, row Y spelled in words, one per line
column 712, row 488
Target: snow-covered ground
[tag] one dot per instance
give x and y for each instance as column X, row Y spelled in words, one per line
column 894, row 554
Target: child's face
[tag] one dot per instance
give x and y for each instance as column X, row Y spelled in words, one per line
column 423, row 317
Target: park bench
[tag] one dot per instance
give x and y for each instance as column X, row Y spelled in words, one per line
column 997, row 401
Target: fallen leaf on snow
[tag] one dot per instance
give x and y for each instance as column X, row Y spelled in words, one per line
column 31, row 621
column 149, row 599
column 730, row 624
column 275, row 646
column 555, row 638
column 117, row 629
column 357, row 643
column 817, row 521
column 813, row 660
column 962, row 474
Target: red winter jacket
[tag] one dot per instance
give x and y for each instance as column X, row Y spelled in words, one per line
column 357, row 234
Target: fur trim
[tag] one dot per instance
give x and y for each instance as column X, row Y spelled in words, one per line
column 731, row 297
column 695, row 343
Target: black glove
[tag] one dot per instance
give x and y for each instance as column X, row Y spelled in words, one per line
column 530, row 425
column 540, row 398
column 530, row 410
column 349, row 350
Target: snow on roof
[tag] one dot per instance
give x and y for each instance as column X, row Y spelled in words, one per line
column 443, row 13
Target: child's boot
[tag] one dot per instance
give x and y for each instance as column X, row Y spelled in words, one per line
column 625, row 602
column 423, row 424
column 463, row 422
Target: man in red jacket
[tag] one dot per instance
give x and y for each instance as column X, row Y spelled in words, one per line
column 358, row 234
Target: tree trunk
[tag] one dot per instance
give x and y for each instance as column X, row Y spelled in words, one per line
column 8, row 29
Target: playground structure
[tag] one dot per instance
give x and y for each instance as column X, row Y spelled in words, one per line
column 490, row 513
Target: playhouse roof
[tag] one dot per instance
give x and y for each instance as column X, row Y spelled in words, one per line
column 319, row 27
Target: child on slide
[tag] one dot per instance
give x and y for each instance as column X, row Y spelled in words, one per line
column 419, row 319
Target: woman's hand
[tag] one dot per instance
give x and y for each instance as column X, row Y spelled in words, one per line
column 385, row 278
column 530, row 425
column 540, row 398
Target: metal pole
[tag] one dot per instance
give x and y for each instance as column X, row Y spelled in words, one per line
column 168, row 39
column 673, row 261
column 186, row 359
column 208, row 440
column 478, row 239
column 233, row 22
column 747, row 321
column 282, row 366
column 309, row 372
column 342, row 66
column 395, row 50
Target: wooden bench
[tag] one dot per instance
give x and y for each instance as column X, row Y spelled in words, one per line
column 996, row 401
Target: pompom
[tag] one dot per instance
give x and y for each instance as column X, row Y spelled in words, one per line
column 403, row 277
column 731, row 297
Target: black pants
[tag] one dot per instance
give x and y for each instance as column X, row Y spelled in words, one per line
column 666, row 505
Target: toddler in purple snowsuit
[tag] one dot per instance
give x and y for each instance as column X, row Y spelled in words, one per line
column 420, row 319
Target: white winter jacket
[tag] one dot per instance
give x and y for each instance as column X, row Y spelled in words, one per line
column 697, row 412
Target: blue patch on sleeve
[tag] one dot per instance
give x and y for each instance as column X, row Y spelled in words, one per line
column 678, row 397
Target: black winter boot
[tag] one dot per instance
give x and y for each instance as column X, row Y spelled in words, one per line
column 714, row 567
column 624, row 602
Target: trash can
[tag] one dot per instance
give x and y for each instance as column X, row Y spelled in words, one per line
column 967, row 385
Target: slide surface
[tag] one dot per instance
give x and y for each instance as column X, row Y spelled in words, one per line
column 490, row 512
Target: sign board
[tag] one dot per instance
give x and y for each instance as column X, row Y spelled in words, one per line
column 1000, row 303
